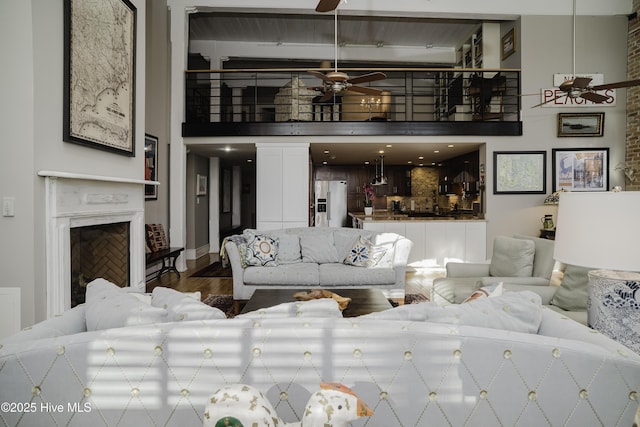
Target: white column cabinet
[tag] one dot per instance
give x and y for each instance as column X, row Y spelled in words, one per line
column 282, row 185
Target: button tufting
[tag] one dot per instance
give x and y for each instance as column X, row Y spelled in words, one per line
column 556, row 353
column 111, row 351
column 184, row 392
column 483, row 394
column 60, row 350
column 408, row 355
column 208, row 354
column 257, row 324
column 384, row 395
column 135, row 391
column 433, row 395
column 307, row 355
column 457, row 353
column 507, row 354
column 533, row 395
column 633, row 395
column 256, row 352
column 86, row 392
column 357, row 353
column 36, row 390
column 284, row 395
column 157, row 350
column 583, row 394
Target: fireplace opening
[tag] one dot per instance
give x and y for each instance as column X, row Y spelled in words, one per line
column 98, row 251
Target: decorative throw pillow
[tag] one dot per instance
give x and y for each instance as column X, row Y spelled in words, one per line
column 181, row 306
column 364, row 254
column 512, row 257
column 573, row 293
column 262, row 250
column 156, row 239
column 490, row 291
column 109, row 306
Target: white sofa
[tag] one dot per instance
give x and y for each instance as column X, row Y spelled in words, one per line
column 314, row 257
column 411, row 372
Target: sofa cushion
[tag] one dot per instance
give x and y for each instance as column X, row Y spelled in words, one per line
column 109, row 306
column 318, row 248
column 289, row 249
column 262, row 250
column 340, row 274
column 182, row 306
column 513, row 311
column 303, row 273
column 323, row 307
column 512, row 257
column 345, row 239
column 543, row 261
column 363, row 253
column 573, row 292
column 68, row 323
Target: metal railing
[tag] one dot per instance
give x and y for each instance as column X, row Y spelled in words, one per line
column 408, row 95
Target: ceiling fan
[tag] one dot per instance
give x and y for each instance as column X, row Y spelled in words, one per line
column 336, row 82
column 579, row 87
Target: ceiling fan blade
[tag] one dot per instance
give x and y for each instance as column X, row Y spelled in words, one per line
column 327, row 5
column 365, row 90
column 617, row 85
column 550, row 100
column 371, row 77
column 581, row 82
column 594, row 97
column 327, row 96
column 320, row 75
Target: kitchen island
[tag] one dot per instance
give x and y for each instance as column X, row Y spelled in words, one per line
column 436, row 239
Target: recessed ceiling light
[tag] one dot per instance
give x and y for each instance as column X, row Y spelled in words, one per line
column 421, row 164
column 381, row 151
column 366, row 162
column 326, row 151
column 325, row 162
column 249, row 160
column 227, row 149
column 436, row 151
column 420, row 157
column 389, row 145
column 450, row 145
column 409, row 162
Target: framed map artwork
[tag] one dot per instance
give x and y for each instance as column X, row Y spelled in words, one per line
column 519, row 172
column 99, row 74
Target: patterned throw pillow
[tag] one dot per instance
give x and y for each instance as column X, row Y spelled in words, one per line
column 262, row 250
column 156, row 239
column 364, row 254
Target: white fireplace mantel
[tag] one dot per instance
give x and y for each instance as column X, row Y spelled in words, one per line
column 78, row 200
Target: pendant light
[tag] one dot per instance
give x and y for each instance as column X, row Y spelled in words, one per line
column 383, row 179
column 374, row 181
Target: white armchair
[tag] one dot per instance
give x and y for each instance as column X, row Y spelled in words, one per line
column 520, row 262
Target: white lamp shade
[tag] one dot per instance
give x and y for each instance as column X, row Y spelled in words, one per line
column 599, row 230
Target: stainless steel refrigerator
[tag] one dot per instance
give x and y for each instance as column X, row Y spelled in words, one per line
column 330, row 204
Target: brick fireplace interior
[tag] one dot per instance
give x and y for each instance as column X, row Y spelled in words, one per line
column 98, row 251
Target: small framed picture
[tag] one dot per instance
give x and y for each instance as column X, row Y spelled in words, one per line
column 150, row 166
column 580, row 169
column 519, row 172
column 201, row 182
column 580, row 124
column 509, row 43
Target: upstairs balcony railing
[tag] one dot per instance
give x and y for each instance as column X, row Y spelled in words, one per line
column 409, row 101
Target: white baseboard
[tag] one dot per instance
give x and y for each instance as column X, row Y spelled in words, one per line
column 196, row 253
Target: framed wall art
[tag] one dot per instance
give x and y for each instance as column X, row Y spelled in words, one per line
column 580, row 169
column 150, row 166
column 201, row 185
column 99, row 74
column 580, row 124
column 519, row 172
column 509, row 43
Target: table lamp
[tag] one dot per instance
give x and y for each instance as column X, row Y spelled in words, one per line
column 601, row 230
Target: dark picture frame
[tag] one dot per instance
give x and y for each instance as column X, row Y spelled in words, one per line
column 519, row 172
column 580, row 124
column 508, row 43
column 99, row 74
column 150, row 166
column 201, row 185
column 580, row 169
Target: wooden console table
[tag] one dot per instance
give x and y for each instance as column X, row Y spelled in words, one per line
column 168, row 259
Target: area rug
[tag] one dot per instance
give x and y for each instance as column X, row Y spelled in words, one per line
column 213, row 270
column 225, row 302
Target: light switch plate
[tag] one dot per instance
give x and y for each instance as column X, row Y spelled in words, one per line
column 8, row 206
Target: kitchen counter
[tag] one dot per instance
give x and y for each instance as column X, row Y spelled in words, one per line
column 436, row 240
column 392, row 216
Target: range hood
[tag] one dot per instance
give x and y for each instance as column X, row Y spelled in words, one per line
column 380, row 179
